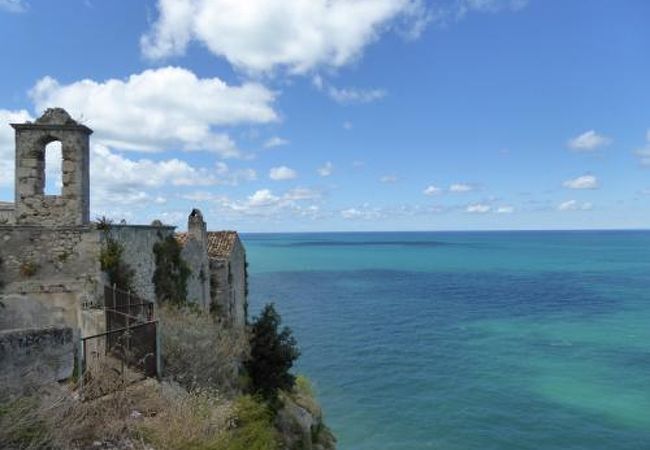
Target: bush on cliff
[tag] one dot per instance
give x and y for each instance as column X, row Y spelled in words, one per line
column 197, row 352
column 273, row 352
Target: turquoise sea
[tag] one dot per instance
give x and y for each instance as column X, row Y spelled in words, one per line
column 472, row 340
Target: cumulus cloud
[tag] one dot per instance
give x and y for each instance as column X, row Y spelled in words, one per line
column 120, row 180
column 461, row 188
column 588, row 141
column 282, row 173
column 229, row 177
column 432, row 190
column 160, row 108
column 644, row 153
column 326, row 169
column 582, row 182
column 505, row 210
column 258, row 35
column 264, row 203
column 364, row 212
column 478, row 208
column 275, row 141
column 574, row 205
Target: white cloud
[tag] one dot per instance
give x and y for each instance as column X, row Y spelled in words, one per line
column 326, row 169
column 478, row 208
column 582, row 182
column 275, row 141
column 282, row 173
column 117, row 179
column 348, row 96
column 353, row 95
column 259, row 35
column 588, row 141
column 432, row 190
column 461, row 188
column 389, row 179
column 264, row 203
column 364, row 212
column 160, row 108
column 466, row 6
column 8, row 144
column 229, row 177
column 13, row 6
column 574, row 205
column 505, row 210
column 644, row 153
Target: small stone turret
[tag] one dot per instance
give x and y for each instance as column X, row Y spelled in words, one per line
column 196, row 227
column 32, row 206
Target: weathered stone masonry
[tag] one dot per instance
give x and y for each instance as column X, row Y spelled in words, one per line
column 50, row 273
column 32, row 206
column 218, row 263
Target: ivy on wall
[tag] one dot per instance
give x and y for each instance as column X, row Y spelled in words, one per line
column 172, row 272
column 119, row 273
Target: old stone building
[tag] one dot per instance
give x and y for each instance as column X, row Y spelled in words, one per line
column 50, row 252
column 218, row 263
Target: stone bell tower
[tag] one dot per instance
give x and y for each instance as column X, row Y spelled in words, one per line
column 33, row 207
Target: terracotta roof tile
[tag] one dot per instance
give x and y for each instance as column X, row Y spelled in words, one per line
column 220, row 243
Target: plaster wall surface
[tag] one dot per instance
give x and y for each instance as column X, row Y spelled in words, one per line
column 34, row 357
column 198, row 283
column 138, row 242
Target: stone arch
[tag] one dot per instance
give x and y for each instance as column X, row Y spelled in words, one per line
column 71, row 205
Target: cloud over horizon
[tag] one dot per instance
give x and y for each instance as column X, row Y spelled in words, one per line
column 161, row 108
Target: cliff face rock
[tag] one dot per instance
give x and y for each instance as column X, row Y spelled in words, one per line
column 300, row 422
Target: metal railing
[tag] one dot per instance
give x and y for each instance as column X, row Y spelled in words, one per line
column 129, row 347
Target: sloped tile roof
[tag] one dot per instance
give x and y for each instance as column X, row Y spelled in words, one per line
column 220, row 243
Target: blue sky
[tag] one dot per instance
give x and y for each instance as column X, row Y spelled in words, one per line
column 315, row 115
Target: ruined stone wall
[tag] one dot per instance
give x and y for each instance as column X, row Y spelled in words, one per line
column 6, row 213
column 198, row 283
column 32, row 357
column 58, row 267
column 138, row 242
column 228, row 286
column 33, row 207
column 238, row 287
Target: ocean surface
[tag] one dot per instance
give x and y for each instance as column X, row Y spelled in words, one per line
column 472, row 340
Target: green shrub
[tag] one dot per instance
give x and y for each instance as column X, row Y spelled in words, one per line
column 254, row 427
column 110, row 257
column 171, row 273
column 273, row 352
column 197, row 353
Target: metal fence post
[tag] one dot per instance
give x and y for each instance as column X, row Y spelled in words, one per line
column 80, row 365
column 158, row 348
